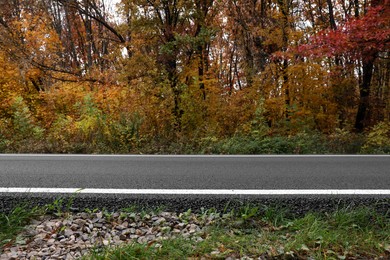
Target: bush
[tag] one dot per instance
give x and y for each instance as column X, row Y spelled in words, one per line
column 20, row 132
column 345, row 142
column 301, row 143
column 378, row 139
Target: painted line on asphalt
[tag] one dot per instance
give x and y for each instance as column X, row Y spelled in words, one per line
column 199, row 191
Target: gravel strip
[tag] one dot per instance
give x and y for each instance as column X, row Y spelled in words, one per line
column 73, row 236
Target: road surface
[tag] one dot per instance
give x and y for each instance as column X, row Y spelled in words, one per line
column 196, row 175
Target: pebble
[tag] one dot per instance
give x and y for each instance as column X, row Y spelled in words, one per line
column 71, row 237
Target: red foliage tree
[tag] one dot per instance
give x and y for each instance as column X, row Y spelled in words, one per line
column 360, row 38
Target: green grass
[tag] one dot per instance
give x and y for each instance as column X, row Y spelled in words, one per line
column 251, row 231
column 271, row 233
column 13, row 223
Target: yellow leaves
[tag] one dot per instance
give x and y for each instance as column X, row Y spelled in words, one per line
column 378, row 138
column 38, row 37
column 10, row 84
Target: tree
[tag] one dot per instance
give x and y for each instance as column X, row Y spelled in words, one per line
column 60, row 39
column 362, row 39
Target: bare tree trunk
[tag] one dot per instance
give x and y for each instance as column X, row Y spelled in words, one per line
column 363, row 115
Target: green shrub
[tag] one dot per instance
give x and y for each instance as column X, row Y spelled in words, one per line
column 378, row 139
column 125, row 133
column 23, row 122
column 24, row 134
column 345, row 142
column 303, row 143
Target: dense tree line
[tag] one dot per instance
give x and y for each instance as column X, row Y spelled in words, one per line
column 75, row 71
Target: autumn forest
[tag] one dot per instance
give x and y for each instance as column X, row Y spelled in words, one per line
column 195, row 76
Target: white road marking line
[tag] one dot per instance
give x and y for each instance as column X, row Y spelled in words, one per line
column 199, row 191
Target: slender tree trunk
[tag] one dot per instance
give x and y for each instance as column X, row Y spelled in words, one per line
column 284, row 6
column 332, row 21
column 363, row 115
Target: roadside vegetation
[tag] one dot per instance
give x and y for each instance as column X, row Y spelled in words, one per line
column 97, row 133
column 250, row 231
column 14, row 222
column 254, row 232
column 224, row 77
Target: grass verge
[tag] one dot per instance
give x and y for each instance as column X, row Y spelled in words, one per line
column 270, row 233
column 252, row 231
column 11, row 224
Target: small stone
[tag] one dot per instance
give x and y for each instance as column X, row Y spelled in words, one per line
column 107, row 236
column 31, row 232
column 78, row 233
column 98, row 225
column 84, row 237
column 87, row 229
column 41, row 235
column 150, row 237
column 14, row 249
column 84, row 215
column 159, row 221
column 181, row 225
column 66, row 222
column 76, row 247
column 49, row 226
column 68, row 232
column 38, row 241
column 142, row 240
column 193, row 228
column 14, row 255
column 166, row 229
column 32, row 254
column 119, row 227
column 185, row 234
column 99, row 215
column 116, row 239
column 50, row 242
column 35, row 222
column 106, row 242
column 59, row 224
column 133, row 225
column 40, row 227
column 198, row 239
column 176, row 231
column 74, row 227
column 215, row 252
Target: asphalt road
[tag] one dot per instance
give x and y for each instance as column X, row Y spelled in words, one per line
column 196, row 172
